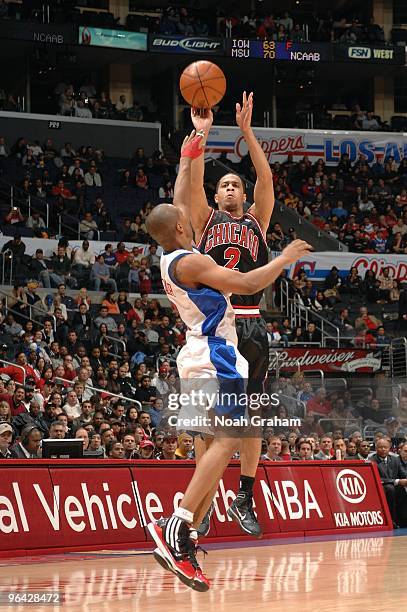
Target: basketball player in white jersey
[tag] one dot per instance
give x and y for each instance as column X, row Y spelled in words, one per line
column 235, row 238
column 200, row 290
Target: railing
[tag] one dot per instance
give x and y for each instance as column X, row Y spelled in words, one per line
column 293, row 405
column 273, row 354
column 301, row 315
column 18, row 197
column 330, row 384
column 285, row 297
column 398, row 358
column 113, row 339
column 347, row 423
column 44, row 314
column 63, row 223
column 7, row 256
column 369, row 432
column 34, row 204
column 308, row 374
column 86, row 386
column 15, row 366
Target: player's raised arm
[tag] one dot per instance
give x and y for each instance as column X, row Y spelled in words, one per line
column 191, row 149
column 200, row 209
column 198, row 269
column 264, row 189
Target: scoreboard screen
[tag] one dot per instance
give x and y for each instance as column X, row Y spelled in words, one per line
column 269, row 50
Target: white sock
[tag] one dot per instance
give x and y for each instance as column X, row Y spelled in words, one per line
column 193, row 534
column 184, row 515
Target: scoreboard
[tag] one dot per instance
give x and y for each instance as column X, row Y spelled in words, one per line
column 274, row 51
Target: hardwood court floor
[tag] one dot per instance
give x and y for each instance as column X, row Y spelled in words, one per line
column 349, row 575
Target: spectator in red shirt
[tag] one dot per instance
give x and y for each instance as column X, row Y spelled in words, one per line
column 69, row 370
column 15, row 372
column 319, row 404
column 145, row 285
column 366, row 320
column 121, row 253
column 132, row 314
column 141, row 179
column 364, row 339
column 15, row 401
column 60, row 190
column 351, row 226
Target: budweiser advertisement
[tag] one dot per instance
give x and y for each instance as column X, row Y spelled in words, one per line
column 73, row 505
column 326, row 359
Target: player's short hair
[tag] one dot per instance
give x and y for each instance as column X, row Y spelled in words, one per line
column 233, row 174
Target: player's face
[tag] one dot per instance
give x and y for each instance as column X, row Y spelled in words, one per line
column 230, row 195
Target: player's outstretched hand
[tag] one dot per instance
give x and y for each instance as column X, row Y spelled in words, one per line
column 244, row 112
column 295, row 250
column 192, row 146
column 202, row 118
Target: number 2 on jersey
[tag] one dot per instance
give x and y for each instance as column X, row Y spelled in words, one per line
column 232, row 257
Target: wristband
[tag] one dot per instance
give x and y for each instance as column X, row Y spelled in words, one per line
column 193, row 148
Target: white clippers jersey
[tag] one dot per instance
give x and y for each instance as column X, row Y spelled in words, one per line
column 206, row 312
column 209, row 362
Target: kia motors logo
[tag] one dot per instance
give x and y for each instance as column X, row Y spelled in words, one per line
column 351, row 486
column 360, row 52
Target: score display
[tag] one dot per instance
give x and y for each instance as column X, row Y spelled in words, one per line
column 275, row 51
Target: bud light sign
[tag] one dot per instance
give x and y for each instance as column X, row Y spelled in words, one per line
column 330, row 146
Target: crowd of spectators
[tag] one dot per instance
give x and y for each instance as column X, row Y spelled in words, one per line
column 363, row 330
column 363, row 205
column 299, row 28
column 390, row 456
column 113, row 269
column 85, row 102
column 74, row 183
column 101, row 373
column 280, row 25
column 68, row 383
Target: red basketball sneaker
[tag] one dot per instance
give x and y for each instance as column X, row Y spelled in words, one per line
column 200, row 581
column 176, row 552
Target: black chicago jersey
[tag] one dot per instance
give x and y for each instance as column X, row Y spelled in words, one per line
column 236, row 243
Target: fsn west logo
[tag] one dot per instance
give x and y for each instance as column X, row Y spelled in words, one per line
column 351, row 486
column 360, row 52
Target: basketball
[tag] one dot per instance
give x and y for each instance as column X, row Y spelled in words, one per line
column 202, row 84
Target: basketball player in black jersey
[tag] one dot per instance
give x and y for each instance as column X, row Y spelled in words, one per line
column 236, row 240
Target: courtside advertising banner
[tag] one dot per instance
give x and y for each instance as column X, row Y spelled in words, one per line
column 364, row 54
column 115, row 39
column 318, row 265
column 326, row 359
column 314, row 144
column 64, row 505
column 191, row 45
